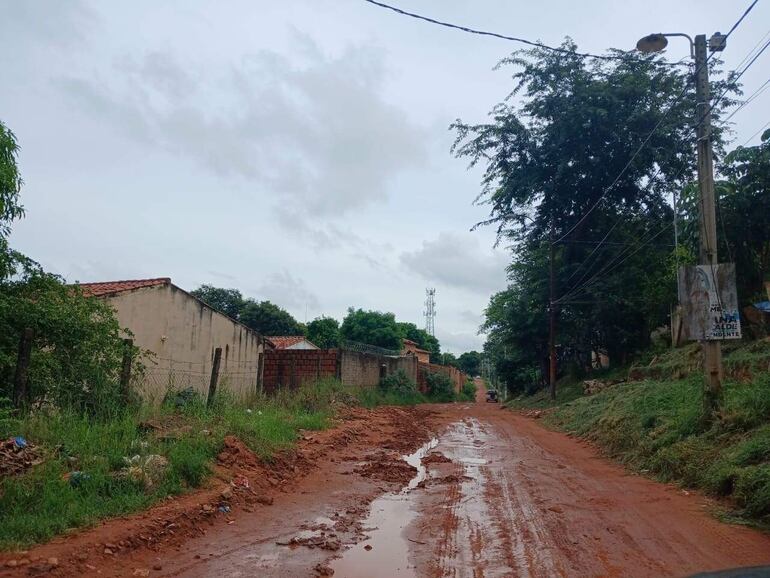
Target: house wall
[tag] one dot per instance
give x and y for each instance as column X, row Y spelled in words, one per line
column 302, row 345
column 182, row 333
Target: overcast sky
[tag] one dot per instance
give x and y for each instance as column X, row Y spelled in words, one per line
column 297, row 150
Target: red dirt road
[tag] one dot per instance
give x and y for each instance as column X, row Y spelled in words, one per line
column 491, row 494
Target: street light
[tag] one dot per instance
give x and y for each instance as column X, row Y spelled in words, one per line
column 712, row 350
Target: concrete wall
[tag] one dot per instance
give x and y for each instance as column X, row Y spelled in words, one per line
column 182, row 333
column 363, row 369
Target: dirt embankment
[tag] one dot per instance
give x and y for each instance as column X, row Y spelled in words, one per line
column 140, row 545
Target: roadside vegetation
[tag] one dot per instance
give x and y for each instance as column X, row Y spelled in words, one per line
column 655, row 425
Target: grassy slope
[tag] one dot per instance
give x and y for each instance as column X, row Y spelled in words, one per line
column 42, row 503
column 655, row 426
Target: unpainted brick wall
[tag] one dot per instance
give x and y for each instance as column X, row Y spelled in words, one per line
column 293, row 367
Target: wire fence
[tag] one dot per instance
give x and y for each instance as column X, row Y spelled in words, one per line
column 160, row 376
column 366, row 348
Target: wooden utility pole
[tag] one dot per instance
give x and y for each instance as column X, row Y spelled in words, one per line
column 552, row 313
column 214, row 376
column 712, row 349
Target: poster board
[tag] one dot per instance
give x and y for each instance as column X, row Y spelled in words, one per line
column 709, row 302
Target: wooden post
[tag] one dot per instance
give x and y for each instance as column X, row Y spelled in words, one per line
column 260, row 371
column 214, row 376
column 20, row 392
column 125, row 370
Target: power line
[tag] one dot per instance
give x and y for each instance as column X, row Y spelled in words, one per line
column 755, row 134
column 514, row 38
column 732, row 83
column 754, row 95
column 663, row 118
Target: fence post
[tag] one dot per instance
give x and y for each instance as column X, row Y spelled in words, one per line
column 260, row 371
column 125, row 370
column 214, row 376
column 20, row 393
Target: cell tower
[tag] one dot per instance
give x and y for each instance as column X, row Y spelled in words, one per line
column 430, row 311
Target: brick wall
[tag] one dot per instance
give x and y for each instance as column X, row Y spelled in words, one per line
column 456, row 376
column 293, row 367
column 364, row 369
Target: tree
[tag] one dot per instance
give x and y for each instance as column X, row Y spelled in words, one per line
column 10, row 207
column 371, row 327
column 324, row 332
column 422, row 338
column 269, row 319
column 470, row 362
column 227, row 301
column 569, row 155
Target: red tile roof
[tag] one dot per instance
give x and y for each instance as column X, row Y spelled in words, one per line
column 284, row 341
column 110, row 287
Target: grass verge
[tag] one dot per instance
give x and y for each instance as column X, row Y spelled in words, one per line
column 89, row 470
column 656, row 427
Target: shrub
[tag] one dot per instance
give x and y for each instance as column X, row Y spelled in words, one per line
column 398, row 383
column 468, row 392
column 77, row 349
column 440, row 387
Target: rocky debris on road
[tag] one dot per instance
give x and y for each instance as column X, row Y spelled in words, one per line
column 321, row 540
column 387, row 467
column 324, row 570
column 435, row 458
column 534, row 413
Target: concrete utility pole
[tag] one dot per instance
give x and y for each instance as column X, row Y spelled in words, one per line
column 712, row 350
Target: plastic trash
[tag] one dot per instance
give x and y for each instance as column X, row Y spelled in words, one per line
column 77, row 478
column 224, row 508
column 20, row 442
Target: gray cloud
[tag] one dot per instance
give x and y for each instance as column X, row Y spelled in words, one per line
column 288, row 291
column 457, row 260
column 45, row 24
column 319, row 134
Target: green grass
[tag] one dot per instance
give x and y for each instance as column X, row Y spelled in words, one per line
column 656, row 427
column 42, row 503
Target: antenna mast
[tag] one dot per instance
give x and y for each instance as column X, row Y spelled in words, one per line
column 430, row 312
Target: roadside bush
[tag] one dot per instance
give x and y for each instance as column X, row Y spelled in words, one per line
column 440, row 387
column 398, row 383
column 468, row 392
column 77, row 350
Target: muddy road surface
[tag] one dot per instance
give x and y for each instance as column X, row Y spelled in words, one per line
column 445, row 490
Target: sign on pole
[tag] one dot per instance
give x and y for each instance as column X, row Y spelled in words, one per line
column 709, row 302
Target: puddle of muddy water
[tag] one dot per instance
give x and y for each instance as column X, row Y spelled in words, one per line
column 389, row 515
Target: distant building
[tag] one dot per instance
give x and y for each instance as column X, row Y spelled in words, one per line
column 180, row 334
column 410, row 347
column 290, row 342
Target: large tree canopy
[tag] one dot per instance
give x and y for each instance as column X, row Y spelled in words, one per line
column 371, row 327
column 324, row 332
column 269, row 319
column 590, row 150
column 228, row 301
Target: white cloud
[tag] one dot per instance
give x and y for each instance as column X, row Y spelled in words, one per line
column 317, row 134
column 458, row 260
